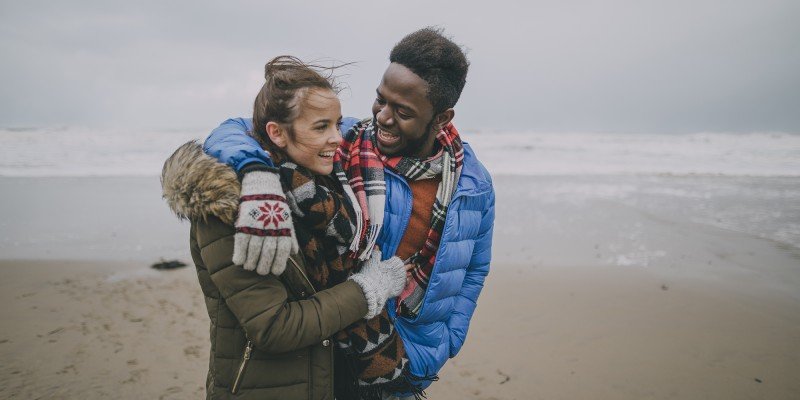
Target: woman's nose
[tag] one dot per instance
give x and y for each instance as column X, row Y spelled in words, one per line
column 335, row 137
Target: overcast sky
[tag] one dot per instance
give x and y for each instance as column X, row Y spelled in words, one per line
column 622, row 66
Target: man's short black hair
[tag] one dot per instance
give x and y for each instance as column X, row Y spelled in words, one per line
column 438, row 61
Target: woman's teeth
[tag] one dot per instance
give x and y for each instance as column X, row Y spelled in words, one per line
column 326, row 154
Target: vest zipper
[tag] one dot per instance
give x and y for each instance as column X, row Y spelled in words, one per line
column 245, row 359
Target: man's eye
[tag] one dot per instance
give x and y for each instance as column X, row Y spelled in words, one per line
column 380, row 101
column 403, row 116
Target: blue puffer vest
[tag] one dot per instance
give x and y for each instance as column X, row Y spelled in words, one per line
column 462, row 263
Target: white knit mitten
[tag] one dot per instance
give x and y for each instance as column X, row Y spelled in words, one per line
column 380, row 280
column 264, row 233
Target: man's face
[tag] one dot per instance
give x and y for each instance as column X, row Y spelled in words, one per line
column 403, row 114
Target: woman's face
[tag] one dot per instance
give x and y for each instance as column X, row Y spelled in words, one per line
column 316, row 131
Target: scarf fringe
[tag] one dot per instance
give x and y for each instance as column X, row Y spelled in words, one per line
column 351, row 197
column 371, row 240
column 406, row 383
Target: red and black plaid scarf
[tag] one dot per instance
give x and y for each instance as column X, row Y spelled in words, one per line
column 359, row 163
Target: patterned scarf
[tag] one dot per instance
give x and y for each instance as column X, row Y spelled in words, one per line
column 324, row 222
column 358, row 162
column 325, row 225
column 360, row 157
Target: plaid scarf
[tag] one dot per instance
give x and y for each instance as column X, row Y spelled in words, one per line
column 358, row 162
column 359, row 156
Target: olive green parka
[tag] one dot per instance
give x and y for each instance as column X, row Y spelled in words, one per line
column 270, row 336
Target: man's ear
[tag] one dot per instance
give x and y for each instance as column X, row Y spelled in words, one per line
column 277, row 134
column 443, row 118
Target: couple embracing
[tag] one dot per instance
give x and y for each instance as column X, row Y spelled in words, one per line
column 339, row 258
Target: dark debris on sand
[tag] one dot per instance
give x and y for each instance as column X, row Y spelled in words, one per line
column 172, row 264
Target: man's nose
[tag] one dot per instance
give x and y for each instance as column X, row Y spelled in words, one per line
column 384, row 116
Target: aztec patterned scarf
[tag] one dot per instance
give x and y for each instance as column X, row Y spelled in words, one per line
column 325, row 225
column 360, row 157
column 324, row 222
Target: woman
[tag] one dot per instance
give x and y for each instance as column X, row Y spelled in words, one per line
column 271, row 336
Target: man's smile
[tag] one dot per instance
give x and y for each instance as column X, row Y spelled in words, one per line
column 387, row 138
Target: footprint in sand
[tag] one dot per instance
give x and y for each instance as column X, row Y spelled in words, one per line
column 192, row 351
column 170, row 391
column 505, row 378
column 54, row 331
column 68, row 368
column 136, row 376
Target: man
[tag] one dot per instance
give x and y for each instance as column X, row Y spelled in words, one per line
column 429, row 200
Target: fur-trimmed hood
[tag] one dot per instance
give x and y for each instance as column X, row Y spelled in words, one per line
column 196, row 185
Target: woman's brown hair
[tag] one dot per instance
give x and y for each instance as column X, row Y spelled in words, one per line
column 288, row 80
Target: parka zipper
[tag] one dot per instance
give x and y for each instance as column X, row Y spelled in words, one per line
column 311, row 288
column 249, row 347
column 245, row 359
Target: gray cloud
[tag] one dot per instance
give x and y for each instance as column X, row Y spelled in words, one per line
column 641, row 66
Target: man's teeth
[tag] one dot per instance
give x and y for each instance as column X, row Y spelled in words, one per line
column 326, row 154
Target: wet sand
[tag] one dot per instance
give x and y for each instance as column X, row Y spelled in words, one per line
column 622, row 333
column 78, row 330
column 121, row 330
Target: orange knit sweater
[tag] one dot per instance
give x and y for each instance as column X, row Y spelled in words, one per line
column 423, row 193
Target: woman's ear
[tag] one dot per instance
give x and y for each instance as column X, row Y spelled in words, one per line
column 276, row 134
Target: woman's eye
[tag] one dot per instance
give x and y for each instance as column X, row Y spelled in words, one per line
column 322, row 127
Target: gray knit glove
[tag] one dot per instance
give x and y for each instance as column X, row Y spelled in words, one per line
column 380, row 280
column 264, row 233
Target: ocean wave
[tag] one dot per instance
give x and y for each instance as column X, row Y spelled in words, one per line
column 69, row 151
column 732, row 154
column 72, row 151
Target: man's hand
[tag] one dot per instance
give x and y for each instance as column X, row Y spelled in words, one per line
column 264, row 232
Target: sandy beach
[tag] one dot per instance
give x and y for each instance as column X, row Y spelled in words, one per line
column 594, row 293
column 94, row 331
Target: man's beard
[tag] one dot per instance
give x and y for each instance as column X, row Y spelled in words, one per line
column 414, row 145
